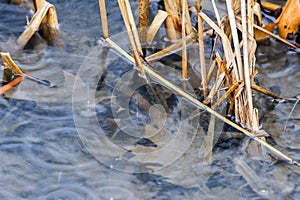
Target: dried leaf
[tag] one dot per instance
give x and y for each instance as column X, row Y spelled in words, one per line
column 289, row 20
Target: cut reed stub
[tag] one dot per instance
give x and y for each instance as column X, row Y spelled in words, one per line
column 45, row 17
column 51, row 29
column 103, row 15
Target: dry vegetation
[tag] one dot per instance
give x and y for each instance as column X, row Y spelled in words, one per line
column 234, row 71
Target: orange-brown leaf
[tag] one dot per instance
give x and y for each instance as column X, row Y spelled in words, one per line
column 289, row 20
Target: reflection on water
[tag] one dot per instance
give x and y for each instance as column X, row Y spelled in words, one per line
column 42, row 156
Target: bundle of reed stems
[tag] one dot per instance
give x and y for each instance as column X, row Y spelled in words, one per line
column 234, row 71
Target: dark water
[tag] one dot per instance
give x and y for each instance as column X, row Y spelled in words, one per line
column 47, row 149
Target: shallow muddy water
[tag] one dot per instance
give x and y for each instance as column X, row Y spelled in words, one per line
column 84, row 140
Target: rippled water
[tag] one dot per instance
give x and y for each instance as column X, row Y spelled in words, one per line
column 43, row 156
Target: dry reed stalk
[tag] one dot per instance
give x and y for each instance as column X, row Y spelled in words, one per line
column 10, row 85
column 51, row 30
column 223, row 69
column 172, row 26
column 170, row 29
column 252, row 49
column 201, row 49
column 170, row 49
column 188, row 23
column 237, row 103
column 216, row 12
column 264, row 91
column 173, row 9
column 251, row 39
column 230, row 58
column 275, row 36
column 211, row 70
column 103, row 15
column 143, row 19
column 235, row 37
column 266, row 31
column 200, row 105
column 226, row 95
column 133, row 27
column 245, row 29
column 269, row 6
column 219, row 80
column 37, row 4
column 255, row 124
column 183, row 38
column 8, row 62
column 34, row 25
column 132, row 33
column 159, row 18
column 250, row 16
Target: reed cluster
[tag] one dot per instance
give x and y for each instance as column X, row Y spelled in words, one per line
column 231, row 69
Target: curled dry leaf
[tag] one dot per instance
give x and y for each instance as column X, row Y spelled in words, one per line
column 289, row 20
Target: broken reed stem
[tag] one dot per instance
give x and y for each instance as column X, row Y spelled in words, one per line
column 46, row 17
column 275, row 36
column 159, row 18
column 246, row 61
column 230, row 58
column 184, row 53
column 200, row 105
column 10, row 85
column 103, row 15
column 8, row 62
column 132, row 33
column 34, row 24
column 37, row 4
column 235, row 37
column 264, row 91
column 201, row 49
column 228, row 92
column 51, row 30
column 170, row 49
column 143, row 19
